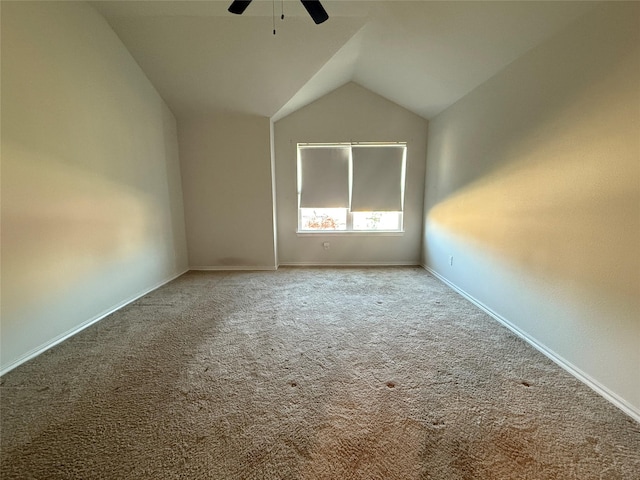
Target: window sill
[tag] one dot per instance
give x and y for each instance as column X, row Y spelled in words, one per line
column 350, row 233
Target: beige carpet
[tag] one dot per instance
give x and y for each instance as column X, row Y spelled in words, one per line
column 306, row 374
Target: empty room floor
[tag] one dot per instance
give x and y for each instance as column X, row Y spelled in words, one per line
column 306, row 373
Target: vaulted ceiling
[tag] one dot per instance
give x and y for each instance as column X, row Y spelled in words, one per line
column 421, row 55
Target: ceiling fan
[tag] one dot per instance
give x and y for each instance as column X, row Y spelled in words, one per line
column 314, row 7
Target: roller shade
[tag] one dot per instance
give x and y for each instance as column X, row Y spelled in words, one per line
column 377, row 178
column 324, row 177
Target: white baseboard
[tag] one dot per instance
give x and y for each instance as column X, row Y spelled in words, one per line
column 592, row 383
column 355, row 264
column 70, row 333
column 228, row 268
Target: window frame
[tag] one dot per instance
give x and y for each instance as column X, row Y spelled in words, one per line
column 349, row 231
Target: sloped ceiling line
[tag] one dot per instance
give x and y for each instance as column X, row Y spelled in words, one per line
column 423, row 56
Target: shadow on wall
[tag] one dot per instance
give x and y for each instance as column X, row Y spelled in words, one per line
column 60, row 223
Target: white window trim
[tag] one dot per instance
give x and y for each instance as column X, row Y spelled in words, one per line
column 349, row 231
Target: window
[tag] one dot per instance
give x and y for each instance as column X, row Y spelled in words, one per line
column 351, row 187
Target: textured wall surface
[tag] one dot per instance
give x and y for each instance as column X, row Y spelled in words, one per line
column 533, row 187
column 226, row 173
column 92, row 210
column 349, row 114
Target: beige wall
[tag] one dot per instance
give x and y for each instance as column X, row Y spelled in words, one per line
column 533, row 186
column 226, row 175
column 349, row 114
column 91, row 198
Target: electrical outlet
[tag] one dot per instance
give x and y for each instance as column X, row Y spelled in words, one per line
column 325, row 245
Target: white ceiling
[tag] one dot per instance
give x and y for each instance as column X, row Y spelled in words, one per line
column 422, row 55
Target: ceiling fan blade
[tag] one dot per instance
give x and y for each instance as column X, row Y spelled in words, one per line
column 239, row 6
column 316, row 10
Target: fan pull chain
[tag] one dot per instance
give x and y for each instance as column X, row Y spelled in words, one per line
column 273, row 6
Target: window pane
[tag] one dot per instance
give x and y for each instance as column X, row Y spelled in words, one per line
column 376, row 220
column 323, row 219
